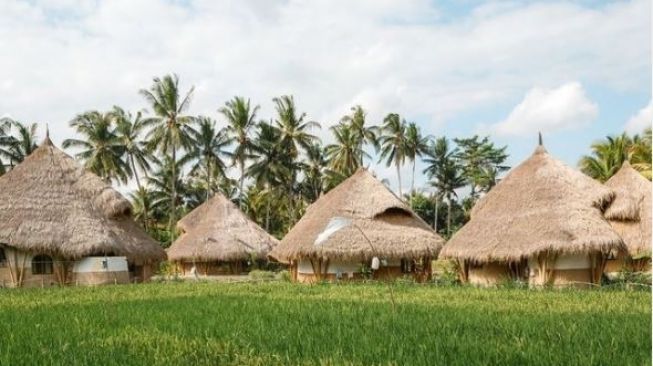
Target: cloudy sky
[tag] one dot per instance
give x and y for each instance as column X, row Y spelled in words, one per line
column 576, row 71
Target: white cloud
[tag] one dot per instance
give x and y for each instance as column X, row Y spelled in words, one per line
column 638, row 122
column 548, row 110
column 64, row 57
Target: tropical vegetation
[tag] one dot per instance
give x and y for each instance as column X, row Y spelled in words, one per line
column 274, row 167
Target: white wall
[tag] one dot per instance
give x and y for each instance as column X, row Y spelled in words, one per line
column 566, row 261
column 304, row 266
column 94, row 264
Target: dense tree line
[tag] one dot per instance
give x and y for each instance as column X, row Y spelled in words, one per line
column 178, row 160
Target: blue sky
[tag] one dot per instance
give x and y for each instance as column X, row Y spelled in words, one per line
column 576, row 71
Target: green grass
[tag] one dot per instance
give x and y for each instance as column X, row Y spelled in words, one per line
column 280, row 323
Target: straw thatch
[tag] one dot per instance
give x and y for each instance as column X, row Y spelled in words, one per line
column 50, row 204
column 394, row 231
column 218, row 231
column 630, row 213
column 542, row 205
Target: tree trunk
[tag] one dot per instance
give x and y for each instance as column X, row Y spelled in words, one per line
column 241, row 182
column 173, row 194
column 399, row 178
column 412, row 181
column 140, row 190
column 208, row 179
column 267, row 213
column 435, row 221
column 449, row 217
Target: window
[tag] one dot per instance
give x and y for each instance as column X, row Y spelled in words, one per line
column 3, row 257
column 42, row 265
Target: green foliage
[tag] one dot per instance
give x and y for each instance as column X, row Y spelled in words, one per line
column 356, row 324
column 608, row 155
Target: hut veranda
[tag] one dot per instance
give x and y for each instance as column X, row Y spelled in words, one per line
column 542, row 224
column 60, row 224
column 218, row 238
column 359, row 229
column 630, row 216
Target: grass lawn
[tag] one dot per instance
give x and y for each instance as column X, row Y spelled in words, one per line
column 281, row 323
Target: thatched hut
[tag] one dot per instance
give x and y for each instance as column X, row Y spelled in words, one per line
column 358, row 229
column 542, row 223
column 630, row 216
column 61, row 224
column 218, row 238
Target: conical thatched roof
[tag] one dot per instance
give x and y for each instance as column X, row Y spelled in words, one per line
column 630, row 213
column 393, row 229
column 50, row 204
column 541, row 205
column 218, row 231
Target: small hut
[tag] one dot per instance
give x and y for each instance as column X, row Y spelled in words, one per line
column 630, row 216
column 359, row 229
column 60, row 224
column 218, row 238
column 541, row 224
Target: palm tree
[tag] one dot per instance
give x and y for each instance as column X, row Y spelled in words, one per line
column 130, row 131
column 141, row 200
column 640, row 153
column 170, row 131
column 24, row 140
column 356, row 123
column 209, row 151
column 102, row 151
column 294, row 130
column 346, row 154
column 393, row 143
column 6, row 143
column 161, row 186
column 416, row 146
column 314, row 171
column 270, row 167
column 241, row 120
column 444, row 173
column 607, row 157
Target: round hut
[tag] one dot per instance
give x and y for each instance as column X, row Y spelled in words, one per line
column 218, row 238
column 542, row 224
column 359, row 229
column 60, row 224
column 630, row 216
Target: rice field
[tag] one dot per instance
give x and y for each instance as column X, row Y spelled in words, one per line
column 362, row 324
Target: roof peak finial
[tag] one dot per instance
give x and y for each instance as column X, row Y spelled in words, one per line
column 539, row 138
column 47, row 131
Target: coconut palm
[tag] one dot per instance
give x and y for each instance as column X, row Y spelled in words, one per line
column 209, row 150
column 270, row 169
column 141, row 200
column 607, row 157
column 416, row 146
column 314, row 172
column 130, row 131
column 294, row 129
column 640, row 153
column 170, row 127
column 363, row 134
column 24, row 140
column 6, row 143
column 346, row 154
column 101, row 150
column 241, row 119
column 444, row 173
column 393, row 143
column 160, row 185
